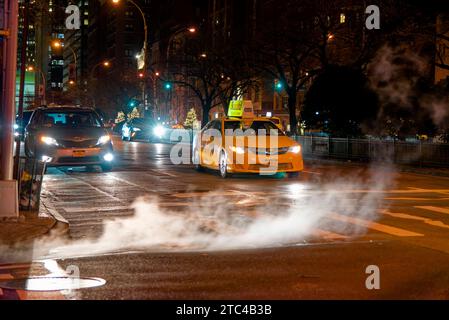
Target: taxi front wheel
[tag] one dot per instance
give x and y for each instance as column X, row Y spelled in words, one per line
column 223, row 165
column 196, row 161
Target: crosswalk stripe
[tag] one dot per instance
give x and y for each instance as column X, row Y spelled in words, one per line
column 328, row 235
column 431, row 222
column 375, row 226
column 434, row 209
column 95, row 209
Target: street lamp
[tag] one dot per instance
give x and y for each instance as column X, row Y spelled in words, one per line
column 44, row 82
column 170, row 40
column 144, row 50
column 57, row 44
column 105, row 64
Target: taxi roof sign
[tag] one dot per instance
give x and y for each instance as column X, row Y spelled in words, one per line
column 235, row 108
column 241, row 109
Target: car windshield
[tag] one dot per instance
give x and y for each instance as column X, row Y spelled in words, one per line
column 142, row 122
column 256, row 128
column 69, row 119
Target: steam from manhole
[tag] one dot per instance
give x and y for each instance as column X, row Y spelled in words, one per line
column 52, row 283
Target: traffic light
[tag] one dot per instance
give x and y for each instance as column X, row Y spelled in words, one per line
column 278, row 85
column 132, row 104
column 168, row 86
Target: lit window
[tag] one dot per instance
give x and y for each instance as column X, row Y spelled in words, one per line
column 342, row 18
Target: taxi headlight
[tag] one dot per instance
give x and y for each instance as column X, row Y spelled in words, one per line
column 103, row 140
column 238, row 150
column 49, row 141
column 295, row 149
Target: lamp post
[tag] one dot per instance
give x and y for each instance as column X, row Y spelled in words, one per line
column 56, row 44
column 44, row 82
column 105, row 64
column 145, row 27
column 191, row 30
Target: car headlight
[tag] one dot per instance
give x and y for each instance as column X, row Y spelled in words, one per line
column 238, row 150
column 49, row 141
column 295, row 149
column 104, row 139
column 159, row 131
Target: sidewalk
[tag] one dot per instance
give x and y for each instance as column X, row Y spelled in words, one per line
column 30, row 226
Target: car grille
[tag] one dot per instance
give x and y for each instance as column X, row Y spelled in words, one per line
column 70, row 160
column 272, row 151
column 90, row 143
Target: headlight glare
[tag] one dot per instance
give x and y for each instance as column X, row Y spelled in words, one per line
column 159, row 131
column 49, row 141
column 104, row 139
column 238, row 150
column 295, row 149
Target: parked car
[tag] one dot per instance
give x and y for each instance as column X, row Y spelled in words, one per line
column 69, row 136
column 19, row 127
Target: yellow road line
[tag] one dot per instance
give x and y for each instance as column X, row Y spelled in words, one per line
column 434, row 209
column 375, row 226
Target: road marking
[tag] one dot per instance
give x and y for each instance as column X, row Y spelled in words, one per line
column 375, row 226
column 95, row 209
column 311, row 172
column 6, row 277
column 166, row 173
column 428, row 221
column 434, row 209
column 327, row 235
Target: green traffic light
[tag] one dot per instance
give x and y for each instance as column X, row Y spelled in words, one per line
column 168, row 86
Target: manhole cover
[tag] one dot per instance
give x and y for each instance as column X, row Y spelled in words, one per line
column 52, row 283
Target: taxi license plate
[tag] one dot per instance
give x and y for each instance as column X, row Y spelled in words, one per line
column 79, row 153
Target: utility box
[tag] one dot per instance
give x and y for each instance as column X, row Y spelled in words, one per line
column 9, row 207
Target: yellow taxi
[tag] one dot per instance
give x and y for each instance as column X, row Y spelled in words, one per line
column 246, row 145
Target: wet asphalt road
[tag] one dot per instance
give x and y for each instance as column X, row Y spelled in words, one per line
column 311, row 237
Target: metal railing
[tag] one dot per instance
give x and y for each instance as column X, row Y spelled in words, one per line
column 400, row 152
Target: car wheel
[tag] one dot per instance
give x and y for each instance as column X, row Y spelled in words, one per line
column 196, row 161
column 223, row 165
column 292, row 175
column 106, row 167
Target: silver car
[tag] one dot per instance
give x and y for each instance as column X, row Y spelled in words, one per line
column 69, row 136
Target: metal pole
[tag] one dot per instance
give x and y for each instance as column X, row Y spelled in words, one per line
column 9, row 91
column 23, row 60
column 44, row 83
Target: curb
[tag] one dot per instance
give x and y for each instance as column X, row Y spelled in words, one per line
column 61, row 227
